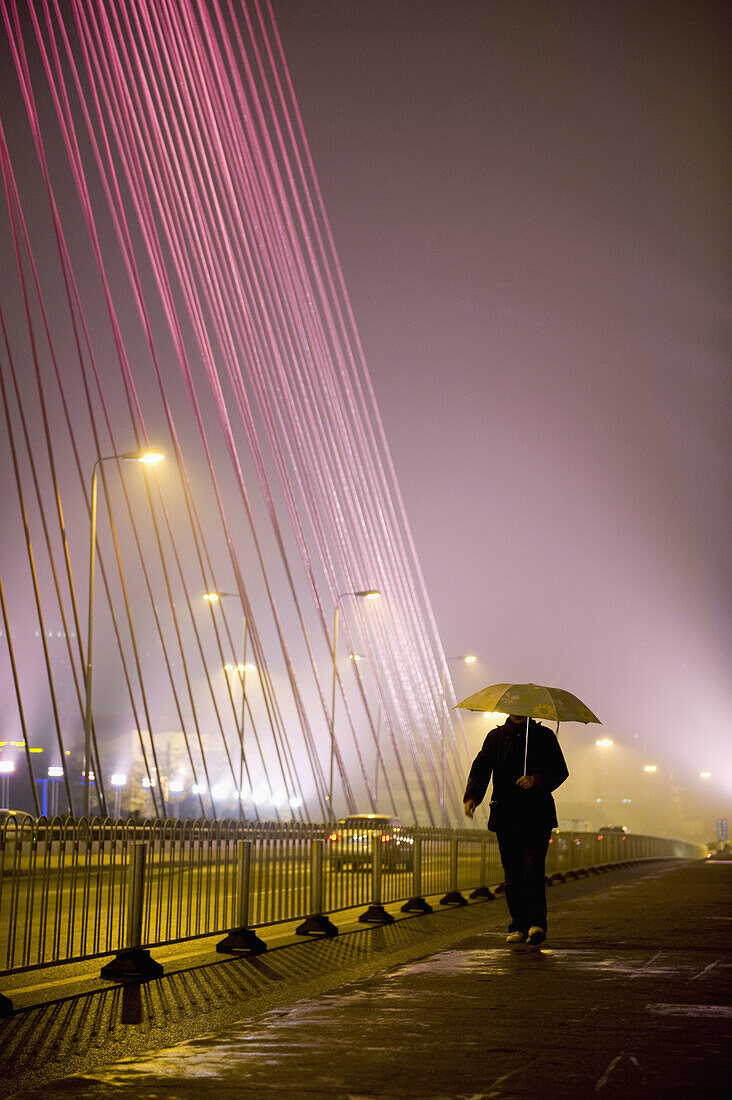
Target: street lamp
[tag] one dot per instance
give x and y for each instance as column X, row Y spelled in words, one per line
column 147, row 458
column 242, row 668
column 468, row 659
column 364, row 594
column 7, row 767
column 118, row 781
column 55, row 774
column 604, row 742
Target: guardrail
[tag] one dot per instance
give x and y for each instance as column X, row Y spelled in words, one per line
column 73, row 890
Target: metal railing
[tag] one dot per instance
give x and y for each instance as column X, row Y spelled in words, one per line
column 73, row 890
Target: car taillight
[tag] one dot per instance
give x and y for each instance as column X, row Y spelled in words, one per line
column 385, row 837
column 333, row 836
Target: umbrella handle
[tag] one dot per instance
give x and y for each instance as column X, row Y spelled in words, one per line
column 526, row 744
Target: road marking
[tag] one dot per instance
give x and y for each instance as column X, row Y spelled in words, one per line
column 496, row 1092
column 704, row 971
column 603, row 1080
column 650, row 962
column 722, row 1012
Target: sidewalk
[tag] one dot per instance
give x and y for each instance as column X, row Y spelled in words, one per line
column 628, row 998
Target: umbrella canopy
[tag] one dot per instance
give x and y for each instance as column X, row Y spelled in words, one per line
column 531, row 701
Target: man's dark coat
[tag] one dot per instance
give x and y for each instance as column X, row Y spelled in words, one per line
column 502, row 757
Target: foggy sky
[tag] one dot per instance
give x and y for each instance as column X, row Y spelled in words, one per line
column 530, row 202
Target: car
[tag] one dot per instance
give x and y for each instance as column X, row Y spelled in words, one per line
column 15, row 818
column 720, row 850
column 351, row 842
column 612, row 830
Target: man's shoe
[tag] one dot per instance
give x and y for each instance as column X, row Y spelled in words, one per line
column 515, row 937
column 536, row 935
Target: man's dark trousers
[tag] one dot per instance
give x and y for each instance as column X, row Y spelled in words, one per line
column 523, row 847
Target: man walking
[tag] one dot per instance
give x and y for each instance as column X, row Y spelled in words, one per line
column 522, row 813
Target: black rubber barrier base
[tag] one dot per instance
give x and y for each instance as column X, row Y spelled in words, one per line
column 453, row 898
column 317, row 925
column 6, row 1007
column 133, row 964
column 417, row 905
column 483, row 892
column 241, row 941
column 376, row 914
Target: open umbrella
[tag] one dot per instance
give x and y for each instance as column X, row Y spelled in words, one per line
column 533, row 701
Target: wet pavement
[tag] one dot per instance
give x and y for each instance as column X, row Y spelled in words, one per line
column 629, row 997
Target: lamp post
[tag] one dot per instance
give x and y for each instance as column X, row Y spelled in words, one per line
column 468, row 659
column 214, row 597
column 118, row 781
column 364, row 594
column 148, row 458
column 175, row 788
column 356, row 657
column 55, row 774
column 7, row 767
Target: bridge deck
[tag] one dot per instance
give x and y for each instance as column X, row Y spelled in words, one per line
column 629, row 997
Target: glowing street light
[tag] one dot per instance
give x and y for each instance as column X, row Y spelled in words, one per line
column 147, row 458
column 364, row 594
column 705, row 775
column 650, row 768
column 228, row 667
column 604, row 742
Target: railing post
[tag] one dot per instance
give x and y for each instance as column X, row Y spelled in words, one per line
column 134, row 961
column 376, row 913
column 317, row 923
column 417, row 903
column 135, row 896
column 241, row 938
column 453, row 896
column 483, row 890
